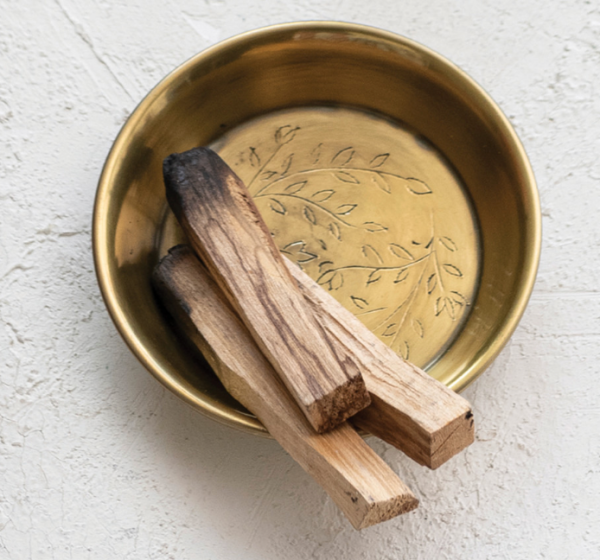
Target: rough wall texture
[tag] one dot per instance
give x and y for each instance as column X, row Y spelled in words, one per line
column 98, row 461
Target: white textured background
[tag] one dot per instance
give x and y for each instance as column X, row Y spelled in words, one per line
column 98, row 461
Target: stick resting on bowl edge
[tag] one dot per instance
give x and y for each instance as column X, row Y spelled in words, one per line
column 226, row 230
column 358, row 481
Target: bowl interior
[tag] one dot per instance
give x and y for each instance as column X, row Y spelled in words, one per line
column 306, row 69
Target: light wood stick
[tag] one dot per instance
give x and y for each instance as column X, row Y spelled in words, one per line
column 409, row 409
column 358, row 481
column 226, row 230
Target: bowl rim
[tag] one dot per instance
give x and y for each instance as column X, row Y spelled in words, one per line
column 532, row 228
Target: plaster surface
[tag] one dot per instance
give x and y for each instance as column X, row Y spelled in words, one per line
column 99, row 461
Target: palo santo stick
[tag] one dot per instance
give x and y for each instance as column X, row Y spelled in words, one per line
column 358, row 481
column 409, row 409
column 226, row 230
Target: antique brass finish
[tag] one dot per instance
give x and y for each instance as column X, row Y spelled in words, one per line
column 381, row 169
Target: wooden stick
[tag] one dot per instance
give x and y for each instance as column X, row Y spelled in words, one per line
column 409, row 409
column 226, row 230
column 358, row 481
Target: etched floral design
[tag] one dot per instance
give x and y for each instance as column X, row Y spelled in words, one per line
column 312, row 188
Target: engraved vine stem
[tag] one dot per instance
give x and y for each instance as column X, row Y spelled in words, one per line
column 308, row 201
column 321, row 169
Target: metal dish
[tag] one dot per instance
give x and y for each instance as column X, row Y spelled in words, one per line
column 380, row 167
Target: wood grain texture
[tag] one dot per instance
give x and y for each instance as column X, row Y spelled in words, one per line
column 358, row 481
column 410, row 409
column 227, row 231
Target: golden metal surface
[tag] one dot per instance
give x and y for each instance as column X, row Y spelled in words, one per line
column 381, row 169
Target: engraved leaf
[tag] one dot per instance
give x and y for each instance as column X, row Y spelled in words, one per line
column 374, row 226
column 337, row 281
column 406, row 352
column 401, row 252
column 316, row 153
column 285, row 134
column 452, row 270
column 417, row 326
column 324, row 263
column 381, row 183
column 390, row 330
column 440, row 305
column 326, row 277
column 371, row 253
column 345, row 209
column 459, row 299
column 331, row 278
column 297, row 251
column 359, row 302
column 322, row 196
column 254, row 158
column 335, row 231
column 448, row 243
column 429, row 243
column 295, row 187
column 431, row 283
column 306, row 257
column 375, row 276
column 322, row 244
column 346, row 177
column 379, row 160
column 268, row 175
column 276, row 206
column 343, row 157
column 401, row 276
column 293, row 247
column 287, row 163
column 309, row 215
column 416, row 186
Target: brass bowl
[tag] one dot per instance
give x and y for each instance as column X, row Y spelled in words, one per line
column 381, row 168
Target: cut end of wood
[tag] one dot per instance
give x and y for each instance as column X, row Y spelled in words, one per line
column 341, row 404
column 430, row 449
column 452, row 439
column 384, row 511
